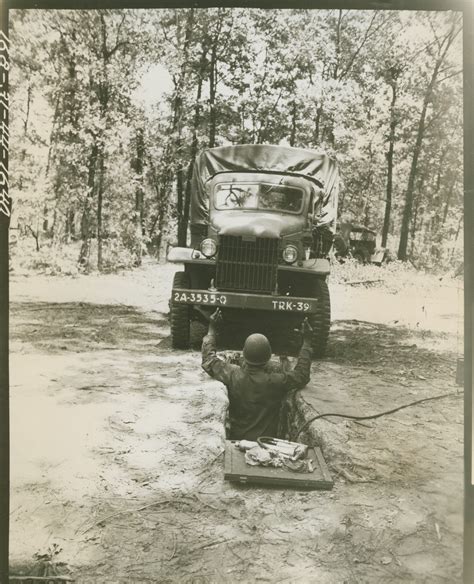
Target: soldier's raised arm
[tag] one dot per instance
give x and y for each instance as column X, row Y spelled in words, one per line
column 216, row 367
column 300, row 375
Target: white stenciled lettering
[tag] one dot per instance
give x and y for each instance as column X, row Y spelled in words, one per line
column 289, row 305
column 4, row 42
column 5, row 203
column 281, row 305
column 5, row 200
column 223, row 299
column 4, row 135
column 306, row 306
column 275, row 304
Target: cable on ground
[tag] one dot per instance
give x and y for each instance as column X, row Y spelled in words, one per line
column 374, row 416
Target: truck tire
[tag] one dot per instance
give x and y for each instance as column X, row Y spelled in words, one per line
column 361, row 257
column 179, row 315
column 321, row 319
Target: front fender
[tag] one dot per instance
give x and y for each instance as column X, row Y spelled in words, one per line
column 183, row 255
column 319, row 266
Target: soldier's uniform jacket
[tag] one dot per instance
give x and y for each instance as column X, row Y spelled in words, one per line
column 255, row 391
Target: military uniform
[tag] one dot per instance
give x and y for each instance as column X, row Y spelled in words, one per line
column 255, row 391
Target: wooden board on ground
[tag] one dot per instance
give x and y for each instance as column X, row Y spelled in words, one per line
column 236, row 469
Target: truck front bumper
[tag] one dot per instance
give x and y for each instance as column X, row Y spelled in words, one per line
column 244, row 301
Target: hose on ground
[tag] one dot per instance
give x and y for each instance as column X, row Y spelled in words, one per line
column 374, row 416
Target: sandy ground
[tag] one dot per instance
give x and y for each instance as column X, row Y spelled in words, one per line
column 116, row 443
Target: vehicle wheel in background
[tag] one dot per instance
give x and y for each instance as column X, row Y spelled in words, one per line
column 179, row 315
column 361, row 257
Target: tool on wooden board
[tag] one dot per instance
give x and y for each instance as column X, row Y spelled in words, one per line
column 291, row 450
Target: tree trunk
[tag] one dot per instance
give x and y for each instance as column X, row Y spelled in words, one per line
column 178, row 96
column 370, row 175
column 317, row 124
column 443, row 49
column 338, row 45
column 294, row 112
column 51, row 136
column 448, row 200
column 100, row 196
column 173, row 147
column 27, row 114
column 162, row 217
column 415, row 215
column 212, row 103
column 155, row 232
column 45, row 219
column 139, row 194
column 70, row 227
column 456, row 237
column 35, row 234
column 103, row 91
column 86, row 214
column 183, row 217
column 407, row 211
column 213, row 84
column 388, row 200
column 180, row 192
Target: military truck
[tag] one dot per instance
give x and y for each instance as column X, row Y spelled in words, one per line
column 262, row 221
column 359, row 242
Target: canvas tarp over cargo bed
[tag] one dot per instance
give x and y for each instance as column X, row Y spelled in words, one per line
column 311, row 164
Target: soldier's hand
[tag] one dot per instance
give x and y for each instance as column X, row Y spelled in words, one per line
column 215, row 318
column 307, row 330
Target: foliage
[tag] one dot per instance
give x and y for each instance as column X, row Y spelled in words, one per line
column 392, row 277
column 95, row 161
column 52, row 259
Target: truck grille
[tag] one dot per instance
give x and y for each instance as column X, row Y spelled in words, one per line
column 247, row 265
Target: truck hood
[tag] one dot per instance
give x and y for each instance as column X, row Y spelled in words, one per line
column 256, row 224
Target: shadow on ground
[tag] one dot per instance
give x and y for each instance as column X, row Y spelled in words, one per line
column 79, row 326
column 391, row 349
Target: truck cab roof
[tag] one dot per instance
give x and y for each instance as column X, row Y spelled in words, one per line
column 314, row 165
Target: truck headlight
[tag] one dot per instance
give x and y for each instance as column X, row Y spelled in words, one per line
column 290, row 254
column 208, row 247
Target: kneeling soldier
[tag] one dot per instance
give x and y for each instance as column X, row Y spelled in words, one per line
column 257, row 388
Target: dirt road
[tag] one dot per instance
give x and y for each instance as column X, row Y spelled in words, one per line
column 116, row 444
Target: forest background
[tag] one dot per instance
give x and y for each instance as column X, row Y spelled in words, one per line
column 110, row 107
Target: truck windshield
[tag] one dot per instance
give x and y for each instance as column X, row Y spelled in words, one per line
column 268, row 197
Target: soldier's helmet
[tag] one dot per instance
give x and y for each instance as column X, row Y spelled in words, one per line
column 257, row 350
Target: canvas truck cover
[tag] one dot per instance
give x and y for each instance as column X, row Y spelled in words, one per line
column 311, row 164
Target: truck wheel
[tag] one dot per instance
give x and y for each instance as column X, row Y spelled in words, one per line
column 179, row 315
column 321, row 319
column 361, row 257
